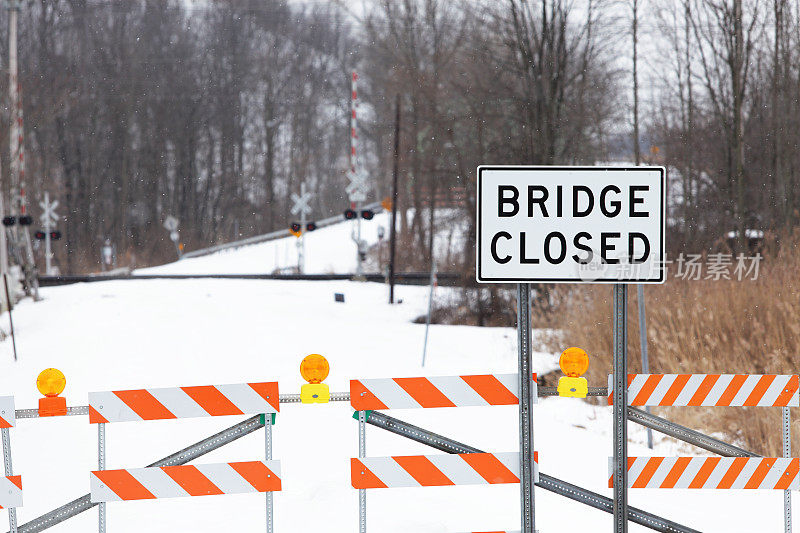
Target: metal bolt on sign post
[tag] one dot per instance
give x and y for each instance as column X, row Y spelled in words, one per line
column 620, row 408
column 527, row 503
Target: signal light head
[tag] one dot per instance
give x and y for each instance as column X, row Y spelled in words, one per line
column 40, row 235
column 367, row 214
column 9, row 220
column 349, row 214
column 51, row 382
column 295, row 227
column 55, row 235
column 314, row 368
column 25, row 220
column 311, row 226
column 574, row 362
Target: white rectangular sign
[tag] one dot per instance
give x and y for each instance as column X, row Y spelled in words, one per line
column 571, row 224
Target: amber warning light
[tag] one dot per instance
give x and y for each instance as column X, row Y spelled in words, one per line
column 314, row 368
column 574, row 362
column 51, row 383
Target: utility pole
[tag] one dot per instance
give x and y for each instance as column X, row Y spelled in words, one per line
column 393, row 228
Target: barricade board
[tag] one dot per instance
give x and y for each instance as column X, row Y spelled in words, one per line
column 10, row 491
column 735, row 390
column 183, row 402
column 185, row 480
column 774, row 473
column 8, row 417
column 440, row 391
column 437, row 470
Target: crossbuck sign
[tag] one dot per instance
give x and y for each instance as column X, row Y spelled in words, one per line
column 571, row 224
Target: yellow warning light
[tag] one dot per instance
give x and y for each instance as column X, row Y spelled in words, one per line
column 314, row 368
column 574, row 362
column 51, row 383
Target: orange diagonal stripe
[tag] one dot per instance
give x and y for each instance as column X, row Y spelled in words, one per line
column 733, row 472
column 703, row 389
column 258, row 475
column 423, row 470
column 647, row 472
column 788, row 475
column 95, row 417
column 758, row 391
column 675, row 389
column 268, row 391
column 16, row 480
column 191, row 480
column 491, row 389
column 788, row 392
column 489, row 468
column 144, row 404
column 4, row 423
column 362, row 399
column 647, row 389
column 362, row 477
column 676, row 472
column 212, row 400
column 424, row 392
column 761, row 471
column 704, row 473
column 732, row 390
column 124, row 485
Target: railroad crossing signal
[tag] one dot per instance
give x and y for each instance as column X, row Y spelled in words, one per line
column 171, row 224
column 357, row 190
column 301, row 200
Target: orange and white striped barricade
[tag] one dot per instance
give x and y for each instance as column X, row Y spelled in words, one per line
column 10, row 485
column 771, row 473
column 716, row 390
column 195, row 480
column 432, row 470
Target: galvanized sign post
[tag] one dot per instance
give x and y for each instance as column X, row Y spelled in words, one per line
column 571, row 225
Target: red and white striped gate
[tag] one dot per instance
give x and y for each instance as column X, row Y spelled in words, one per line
column 433, row 470
column 184, row 480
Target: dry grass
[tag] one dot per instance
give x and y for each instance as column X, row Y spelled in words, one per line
column 706, row 326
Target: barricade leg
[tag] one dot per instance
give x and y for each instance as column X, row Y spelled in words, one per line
column 101, row 465
column 362, row 452
column 12, row 512
column 787, row 452
column 268, row 454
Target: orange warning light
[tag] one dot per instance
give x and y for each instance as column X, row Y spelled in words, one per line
column 51, row 383
column 314, row 368
column 574, row 362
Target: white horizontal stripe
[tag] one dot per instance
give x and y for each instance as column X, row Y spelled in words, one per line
column 99, row 492
column 7, row 411
column 457, row 391
column 111, row 407
column 178, row 402
column 389, row 472
column 158, row 482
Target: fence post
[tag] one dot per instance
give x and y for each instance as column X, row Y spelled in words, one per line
column 12, row 511
column 620, row 408
column 787, row 452
column 527, row 502
column 101, row 465
column 362, row 452
column 268, row 456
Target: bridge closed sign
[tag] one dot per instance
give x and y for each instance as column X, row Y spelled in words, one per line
column 571, row 224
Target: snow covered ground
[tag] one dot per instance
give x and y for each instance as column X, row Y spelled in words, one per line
column 161, row 333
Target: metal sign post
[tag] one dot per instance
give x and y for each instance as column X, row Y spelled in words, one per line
column 620, row 409
column 101, row 465
column 362, row 452
column 787, row 452
column 171, row 225
column 302, row 208
column 268, row 455
column 526, row 486
column 9, row 469
column 538, row 224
